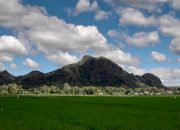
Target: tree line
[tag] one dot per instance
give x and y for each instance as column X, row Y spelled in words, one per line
column 66, row 89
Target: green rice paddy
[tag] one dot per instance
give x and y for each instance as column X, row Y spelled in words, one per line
column 89, row 113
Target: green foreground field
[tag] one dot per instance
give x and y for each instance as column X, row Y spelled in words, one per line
column 89, row 113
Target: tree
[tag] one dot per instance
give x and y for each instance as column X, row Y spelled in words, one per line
column 66, row 88
column 14, row 89
column 4, row 89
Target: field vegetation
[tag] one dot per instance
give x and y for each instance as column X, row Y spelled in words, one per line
column 89, row 113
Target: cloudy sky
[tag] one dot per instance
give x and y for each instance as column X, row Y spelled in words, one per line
column 139, row 35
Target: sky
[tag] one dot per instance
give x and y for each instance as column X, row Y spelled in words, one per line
column 141, row 36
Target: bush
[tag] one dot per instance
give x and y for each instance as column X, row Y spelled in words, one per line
column 14, row 89
column 90, row 90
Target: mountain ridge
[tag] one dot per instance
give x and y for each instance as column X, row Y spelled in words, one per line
column 89, row 71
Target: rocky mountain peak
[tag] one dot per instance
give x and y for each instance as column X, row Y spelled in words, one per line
column 90, row 71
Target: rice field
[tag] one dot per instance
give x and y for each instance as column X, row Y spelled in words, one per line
column 89, row 113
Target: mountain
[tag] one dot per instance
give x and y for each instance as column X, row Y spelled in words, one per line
column 6, row 78
column 151, row 80
column 93, row 71
column 90, row 71
column 33, row 79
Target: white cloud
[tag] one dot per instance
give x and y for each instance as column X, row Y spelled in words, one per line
column 175, row 4
column 63, row 58
column 149, row 5
column 30, row 63
column 158, row 57
column 101, row 15
column 13, row 66
column 143, row 39
column 7, row 16
column 10, row 44
column 12, row 13
column 169, row 25
column 88, row 6
column 5, row 57
column 113, row 33
column 130, row 16
column 79, row 38
column 120, row 57
column 169, row 76
column 59, row 39
column 52, row 38
column 2, row 67
column 140, row 39
column 82, row 6
column 175, row 46
column 134, row 70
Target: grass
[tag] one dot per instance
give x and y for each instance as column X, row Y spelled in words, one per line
column 89, row 113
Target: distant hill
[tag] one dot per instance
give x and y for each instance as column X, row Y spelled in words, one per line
column 87, row 72
column 7, row 78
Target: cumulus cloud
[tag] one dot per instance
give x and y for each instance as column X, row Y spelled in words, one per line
column 14, row 14
column 83, row 5
column 79, row 38
column 149, row 5
column 120, row 57
column 130, row 16
column 5, row 57
column 10, row 44
column 158, row 57
column 30, row 63
column 59, row 41
column 114, row 34
column 134, row 70
column 169, row 25
column 100, row 15
column 175, row 46
column 143, row 39
column 63, row 58
column 175, row 4
column 88, row 6
column 169, row 76
column 139, row 39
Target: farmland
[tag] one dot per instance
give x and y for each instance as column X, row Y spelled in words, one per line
column 90, row 113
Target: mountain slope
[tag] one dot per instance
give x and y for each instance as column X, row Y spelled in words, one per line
column 93, row 71
column 99, row 72
column 7, row 78
column 89, row 71
column 33, row 79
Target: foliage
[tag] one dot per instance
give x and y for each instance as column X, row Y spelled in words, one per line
column 11, row 89
column 14, row 89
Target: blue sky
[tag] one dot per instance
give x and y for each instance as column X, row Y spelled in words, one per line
column 141, row 35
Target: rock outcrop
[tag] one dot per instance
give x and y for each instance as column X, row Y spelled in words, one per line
column 90, row 71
